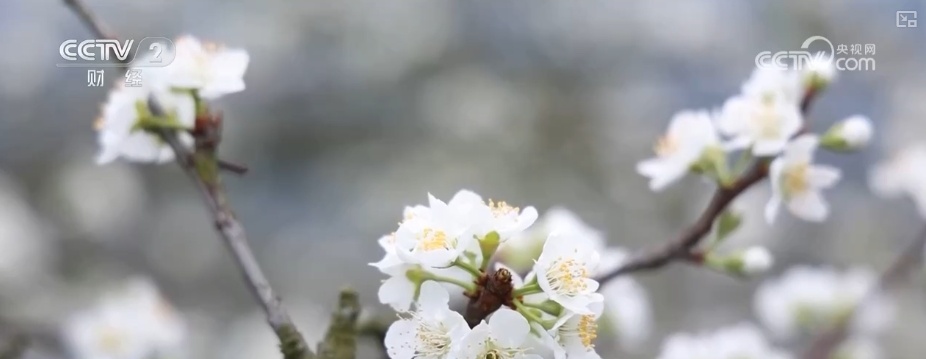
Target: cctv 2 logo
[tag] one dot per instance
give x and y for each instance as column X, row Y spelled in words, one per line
column 150, row 52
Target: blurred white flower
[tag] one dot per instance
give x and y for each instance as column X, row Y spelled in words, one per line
column 521, row 250
column 904, row 173
column 627, row 312
column 819, row 72
column 117, row 131
column 766, row 115
column 742, row 341
column 504, row 336
column 850, row 134
column 757, row 260
column 564, row 272
column 132, row 323
column 211, row 69
column 769, row 82
column 859, row 347
column 433, row 331
column 690, row 133
column 798, row 183
column 807, row 299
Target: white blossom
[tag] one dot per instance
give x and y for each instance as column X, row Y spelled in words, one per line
column 757, row 260
column 573, row 336
column 398, row 291
column 132, row 323
column 797, row 182
column 494, row 216
column 435, row 237
column 857, row 130
column 564, row 272
column 627, row 311
column 904, row 173
column 503, row 337
column 521, row 250
column 819, row 71
column 766, row 82
column 117, row 131
column 807, row 299
column 211, row 69
column 433, row 331
column 765, row 115
column 852, row 133
column 690, row 133
column 207, row 71
column 742, row 341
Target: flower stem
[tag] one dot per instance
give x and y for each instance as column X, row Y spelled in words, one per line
column 467, row 267
column 531, row 288
column 548, row 307
column 530, row 315
column 469, row 286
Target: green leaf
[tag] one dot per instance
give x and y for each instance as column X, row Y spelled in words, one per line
column 726, row 224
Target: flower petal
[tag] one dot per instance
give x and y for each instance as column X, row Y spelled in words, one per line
column 509, row 328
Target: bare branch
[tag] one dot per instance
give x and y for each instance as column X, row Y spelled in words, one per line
column 909, row 258
column 202, row 167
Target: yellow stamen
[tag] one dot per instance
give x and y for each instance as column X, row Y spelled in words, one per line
column 794, row 179
column 666, row 145
column 502, row 208
column 567, row 276
column 430, row 240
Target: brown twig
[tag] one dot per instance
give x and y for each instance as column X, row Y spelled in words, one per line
column 680, row 248
column 202, row 168
column 910, row 258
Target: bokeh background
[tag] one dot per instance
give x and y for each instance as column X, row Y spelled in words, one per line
column 354, row 109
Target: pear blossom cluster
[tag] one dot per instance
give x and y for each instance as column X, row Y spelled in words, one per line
column 627, row 313
column 904, row 173
column 765, row 121
column 553, row 311
column 199, row 72
column 132, row 322
column 740, row 341
column 803, row 302
column 809, row 300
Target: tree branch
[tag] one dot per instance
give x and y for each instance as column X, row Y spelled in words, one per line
column 680, row 248
column 910, row 258
column 341, row 340
column 202, row 168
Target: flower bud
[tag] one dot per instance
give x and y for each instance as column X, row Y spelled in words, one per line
column 752, row 261
column 757, row 260
column 819, row 73
column 850, row 134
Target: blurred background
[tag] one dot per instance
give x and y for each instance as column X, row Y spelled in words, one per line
column 354, row 109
